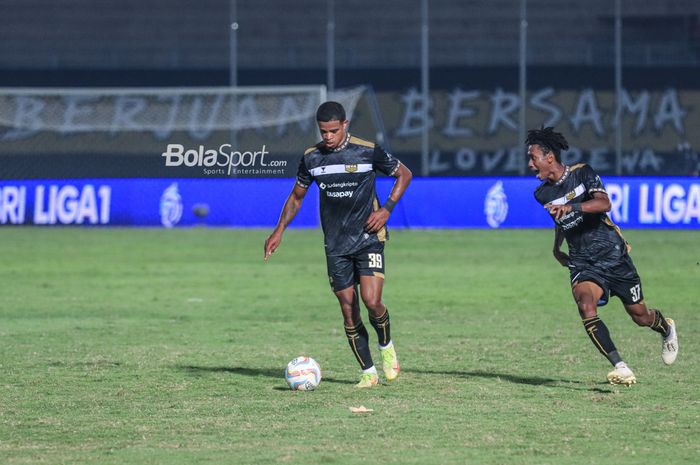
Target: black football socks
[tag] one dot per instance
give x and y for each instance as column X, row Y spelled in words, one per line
column 660, row 325
column 600, row 336
column 383, row 328
column 358, row 338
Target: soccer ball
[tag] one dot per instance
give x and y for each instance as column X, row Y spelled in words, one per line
column 303, row 374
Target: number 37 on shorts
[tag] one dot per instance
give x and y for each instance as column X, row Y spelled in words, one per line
column 636, row 293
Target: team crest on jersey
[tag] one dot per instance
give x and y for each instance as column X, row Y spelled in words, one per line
column 571, row 195
column 351, row 168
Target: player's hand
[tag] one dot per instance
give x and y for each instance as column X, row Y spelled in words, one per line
column 376, row 220
column 557, row 211
column 562, row 258
column 271, row 243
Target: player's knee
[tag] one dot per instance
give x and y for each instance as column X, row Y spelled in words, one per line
column 351, row 316
column 587, row 309
column 373, row 303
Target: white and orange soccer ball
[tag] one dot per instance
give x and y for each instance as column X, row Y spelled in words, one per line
column 303, row 374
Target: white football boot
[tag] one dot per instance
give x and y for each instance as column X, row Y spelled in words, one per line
column 669, row 344
column 622, row 375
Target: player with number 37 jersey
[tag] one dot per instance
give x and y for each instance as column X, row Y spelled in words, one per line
column 598, row 260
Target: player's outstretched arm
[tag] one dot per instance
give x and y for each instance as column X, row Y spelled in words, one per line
column 378, row 218
column 290, row 209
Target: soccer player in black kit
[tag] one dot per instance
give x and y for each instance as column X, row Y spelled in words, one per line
column 354, row 227
column 598, row 259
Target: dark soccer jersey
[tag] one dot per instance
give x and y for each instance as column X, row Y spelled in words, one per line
column 593, row 239
column 346, row 181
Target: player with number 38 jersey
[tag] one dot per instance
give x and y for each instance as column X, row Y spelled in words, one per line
column 346, row 179
column 354, row 229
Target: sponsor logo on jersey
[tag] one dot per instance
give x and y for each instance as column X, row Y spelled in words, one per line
column 570, row 221
column 339, row 194
column 337, row 185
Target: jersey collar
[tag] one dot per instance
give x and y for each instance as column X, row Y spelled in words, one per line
column 567, row 170
column 344, row 145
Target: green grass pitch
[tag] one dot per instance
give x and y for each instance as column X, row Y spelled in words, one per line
column 150, row 346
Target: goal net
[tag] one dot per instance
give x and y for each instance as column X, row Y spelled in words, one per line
column 89, row 132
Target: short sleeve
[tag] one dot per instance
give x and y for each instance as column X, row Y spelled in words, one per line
column 537, row 196
column 303, row 174
column 592, row 181
column 384, row 161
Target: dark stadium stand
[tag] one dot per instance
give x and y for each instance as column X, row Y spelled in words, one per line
column 182, row 34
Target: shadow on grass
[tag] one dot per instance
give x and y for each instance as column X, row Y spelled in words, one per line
column 246, row 371
column 529, row 380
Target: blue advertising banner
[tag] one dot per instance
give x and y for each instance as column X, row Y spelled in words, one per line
column 658, row 202
column 641, row 202
column 151, row 202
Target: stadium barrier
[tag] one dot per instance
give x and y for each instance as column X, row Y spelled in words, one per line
column 429, row 202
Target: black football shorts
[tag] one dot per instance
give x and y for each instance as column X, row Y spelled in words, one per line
column 620, row 280
column 344, row 271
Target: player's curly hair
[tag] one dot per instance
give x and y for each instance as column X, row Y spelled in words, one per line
column 548, row 140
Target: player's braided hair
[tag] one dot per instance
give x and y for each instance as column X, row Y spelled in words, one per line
column 548, row 140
